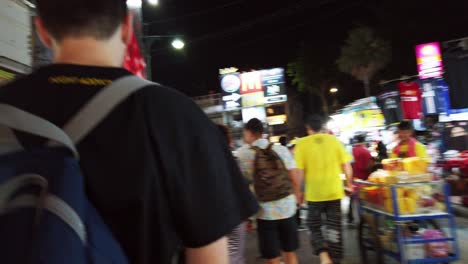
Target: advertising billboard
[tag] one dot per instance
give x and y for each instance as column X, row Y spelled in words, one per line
column 251, row 89
column 429, row 60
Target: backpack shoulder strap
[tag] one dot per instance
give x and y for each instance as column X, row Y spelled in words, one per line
column 20, row 120
column 101, row 105
column 80, row 125
column 270, row 147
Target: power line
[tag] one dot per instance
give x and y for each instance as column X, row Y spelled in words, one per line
column 298, row 6
column 287, row 11
column 197, row 13
column 295, row 27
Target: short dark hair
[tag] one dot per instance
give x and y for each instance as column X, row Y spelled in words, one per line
column 405, row 125
column 360, row 138
column 255, row 126
column 283, row 141
column 314, row 122
column 94, row 18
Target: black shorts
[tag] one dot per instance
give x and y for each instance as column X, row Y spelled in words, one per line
column 275, row 236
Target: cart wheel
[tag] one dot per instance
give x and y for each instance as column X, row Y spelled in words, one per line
column 369, row 240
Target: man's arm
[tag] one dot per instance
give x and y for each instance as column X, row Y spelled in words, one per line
column 348, row 171
column 214, row 253
column 297, row 178
column 206, row 194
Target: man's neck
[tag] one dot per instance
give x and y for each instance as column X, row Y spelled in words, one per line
column 86, row 51
column 255, row 140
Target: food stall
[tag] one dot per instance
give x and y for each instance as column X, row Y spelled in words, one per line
column 406, row 214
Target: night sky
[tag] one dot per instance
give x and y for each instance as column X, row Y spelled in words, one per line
column 255, row 34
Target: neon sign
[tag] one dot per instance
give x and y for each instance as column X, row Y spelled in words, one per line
column 429, row 59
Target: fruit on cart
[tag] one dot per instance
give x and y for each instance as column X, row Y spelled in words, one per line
column 392, row 164
column 388, row 204
column 402, row 206
column 412, row 193
column 427, row 202
column 440, row 207
column 410, row 205
column 400, row 192
column 438, row 197
column 415, row 165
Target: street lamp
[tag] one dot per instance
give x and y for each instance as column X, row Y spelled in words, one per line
column 334, row 90
column 178, row 44
column 137, row 4
column 148, row 42
column 134, row 4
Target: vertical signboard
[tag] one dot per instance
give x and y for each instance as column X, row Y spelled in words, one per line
column 429, row 59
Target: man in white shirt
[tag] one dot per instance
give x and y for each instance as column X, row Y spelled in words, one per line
column 273, row 171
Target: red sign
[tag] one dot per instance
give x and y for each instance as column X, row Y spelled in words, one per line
column 251, row 82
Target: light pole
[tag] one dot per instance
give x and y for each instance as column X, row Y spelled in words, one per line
column 333, row 92
column 148, row 42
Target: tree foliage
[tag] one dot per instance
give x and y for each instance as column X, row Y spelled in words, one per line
column 313, row 73
column 363, row 55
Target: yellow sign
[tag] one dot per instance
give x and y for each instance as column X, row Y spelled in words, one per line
column 228, row 70
column 369, row 118
column 253, row 99
column 276, row 120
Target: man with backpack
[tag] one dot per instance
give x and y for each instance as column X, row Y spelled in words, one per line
column 137, row 170
column 321, row 158
column 272, row 170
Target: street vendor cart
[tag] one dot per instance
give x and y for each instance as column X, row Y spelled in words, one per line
column 407, row 218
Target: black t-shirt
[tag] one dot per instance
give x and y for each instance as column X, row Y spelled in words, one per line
column 157, row 169
column 390, row 104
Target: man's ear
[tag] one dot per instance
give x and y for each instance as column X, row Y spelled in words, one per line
column 43, row 34
column 127, row 28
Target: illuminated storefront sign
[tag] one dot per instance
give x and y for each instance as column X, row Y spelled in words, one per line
column 253, row 99
column 231, row 84
column 250, row 89
column 251, row 82
column 276, row 120
column 429, row 59
column 228, row 70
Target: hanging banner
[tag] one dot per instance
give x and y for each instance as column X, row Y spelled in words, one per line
column 134, row 61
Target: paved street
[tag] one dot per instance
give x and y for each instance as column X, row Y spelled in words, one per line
column 351, row 246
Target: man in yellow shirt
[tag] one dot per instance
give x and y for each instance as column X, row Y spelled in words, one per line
column 322, row 158
column 408, row 147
